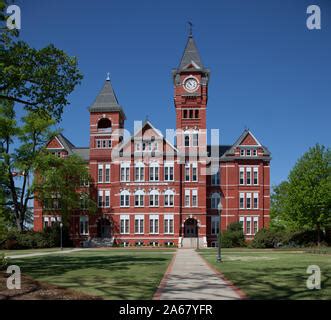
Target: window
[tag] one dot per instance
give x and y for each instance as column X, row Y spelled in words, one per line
column 248, row 152
column 139, row 224
column 46, row 219
column 154, row 198
column 241, row 200
column 187, row 198
column 241, row 221
column 139, row 198
column 124, row 224
column 195, row 139
column 242, row 152
column 125, row 172
column 100, row 199
column 215, row 225
column 154, row 224
column 168, row 223
column 83, row 225
column 185, row 114
column 194, row 198
column 191, row 114
column 169, row 172
column 100, row 173
column 248, row 176
column 255, row 176
column 196, row 114
column 103, row 143
column 248, row 225
column 256, row 200
column 125, row 198
column 254, row 152
column 187, row 140
column 194, row 172
column 255, row 225
column 215, row 179
column 169, row 198
column 139, row 171
column 241, row 176
column 84, row 201
column 107, row 199
column 215, row 200
column 248, row 200
column 187, row 172
column 154, row 172
column 107, row 173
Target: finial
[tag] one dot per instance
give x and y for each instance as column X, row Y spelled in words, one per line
column 108, row 76
column 190, row 28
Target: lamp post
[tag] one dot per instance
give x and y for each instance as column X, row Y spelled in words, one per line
column 219, row 208
column 61, row 226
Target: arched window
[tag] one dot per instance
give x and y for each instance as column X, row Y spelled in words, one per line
column 186, row 140
column 125, row 198
column 104, row 124
column 139, row 198
column 139, row 169
column 154, row 198
column 169, row 198
column 215, row 200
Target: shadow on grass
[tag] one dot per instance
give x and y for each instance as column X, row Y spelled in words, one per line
column 109, row 276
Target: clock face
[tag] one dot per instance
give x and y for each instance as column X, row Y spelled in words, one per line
column 191, row 84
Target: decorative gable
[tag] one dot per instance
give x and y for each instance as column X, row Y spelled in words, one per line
column 249, row 140
column 55, row 144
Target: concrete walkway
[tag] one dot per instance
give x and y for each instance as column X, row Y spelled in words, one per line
column 37, row 254
column 191, row 278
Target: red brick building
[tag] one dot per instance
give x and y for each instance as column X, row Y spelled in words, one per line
column 153, row 189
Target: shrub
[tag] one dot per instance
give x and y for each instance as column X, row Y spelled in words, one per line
column 267, row 238
column 233, row 236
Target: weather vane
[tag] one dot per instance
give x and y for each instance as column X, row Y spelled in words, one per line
column 190, row 26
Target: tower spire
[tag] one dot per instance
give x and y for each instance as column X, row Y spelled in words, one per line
column 190, row 29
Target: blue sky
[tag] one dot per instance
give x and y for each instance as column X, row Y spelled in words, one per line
column 268, row 71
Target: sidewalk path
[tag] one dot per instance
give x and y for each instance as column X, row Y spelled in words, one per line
column 37, row 254
column 191, row 278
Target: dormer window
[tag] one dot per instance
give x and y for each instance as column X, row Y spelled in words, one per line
column 248, row 152
column 242, row 152
column 254, row 152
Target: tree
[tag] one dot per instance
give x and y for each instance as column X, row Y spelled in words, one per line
column 62, row 184
column 40, row 80
column 304, row 201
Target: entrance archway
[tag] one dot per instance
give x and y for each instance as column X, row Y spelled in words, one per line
column 190, row 228
column 103, row 228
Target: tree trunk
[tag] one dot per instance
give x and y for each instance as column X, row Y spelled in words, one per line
column 318, row 235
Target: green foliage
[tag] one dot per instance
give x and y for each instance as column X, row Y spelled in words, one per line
column 3, row 262
column 304, row 200
column 267, row 238
column 61, row 178
column 233, row 236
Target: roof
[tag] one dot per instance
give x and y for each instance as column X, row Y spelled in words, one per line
column 106, row 101
column 191, row 56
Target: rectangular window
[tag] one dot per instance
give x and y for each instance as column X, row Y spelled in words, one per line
column 169, row 224
column 124, row 224
column 83, row 201
column 241, row 176
column 241, row 221
column 154, row 224
column 187, row 172
column 107, row 173
column 194, row 198
column 248, row 225
column 100, row 173
column 139, row 200
column 125, row 172
column 254, row 152
column 139, row 173
column 100, row 199
column 255, row 176
column 248, row 200
column 46, row 219
column 248, row 176
column 125, row 200
column 139, row 224
column 187, row 198
column 83, row 225
column 168, row 200
column 107, row 199
column 194, row 172
column 215, row 224
column 185, row 114
column 169, row 172
column 153, row 173
column 256, row 200
column 195, row 139
column 241, row 200
column 248, row 152
column 256, row 224
column 242, row 152
column 153, row 200
column 215, row 179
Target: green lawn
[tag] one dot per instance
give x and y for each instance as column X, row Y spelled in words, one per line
column 111, row 274
column 27, row 251
column 273, row 274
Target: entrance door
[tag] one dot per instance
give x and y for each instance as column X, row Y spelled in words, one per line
column 104, row 228
column 190, row 228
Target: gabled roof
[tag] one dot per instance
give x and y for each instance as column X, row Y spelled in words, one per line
column 191, row 58
column 106, row 101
